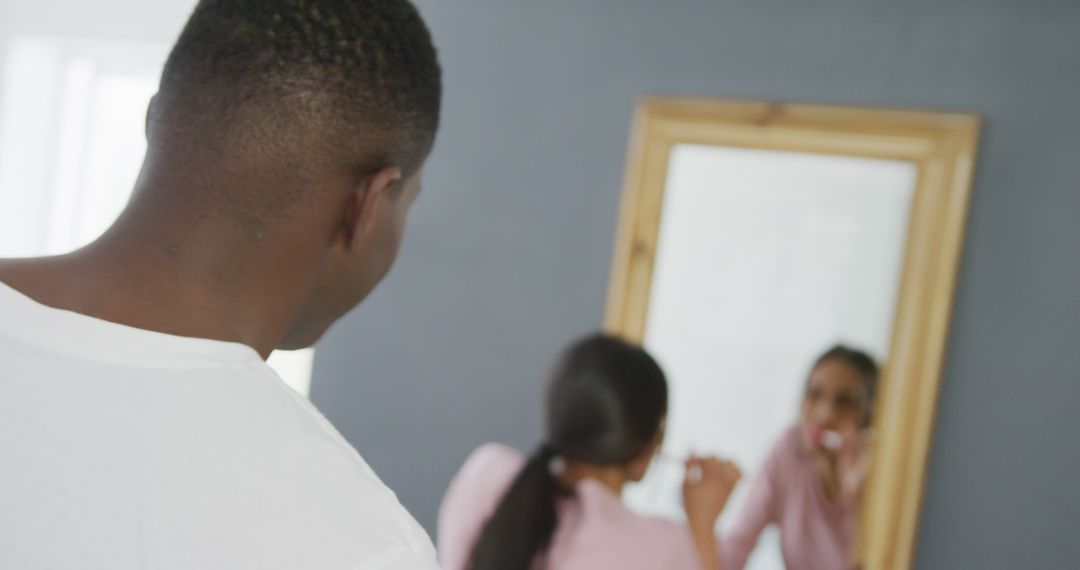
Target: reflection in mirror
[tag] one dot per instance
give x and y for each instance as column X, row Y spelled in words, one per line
column 754, row 237
column 764, row 259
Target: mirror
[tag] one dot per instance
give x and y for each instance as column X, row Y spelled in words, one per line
column 755, row 236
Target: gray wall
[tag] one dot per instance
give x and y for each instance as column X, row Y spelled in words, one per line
column 507, row 255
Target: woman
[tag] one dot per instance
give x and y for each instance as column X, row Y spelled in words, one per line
column 812, row 479
column 560, row 508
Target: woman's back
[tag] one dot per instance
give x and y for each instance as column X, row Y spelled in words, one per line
column 595, row 530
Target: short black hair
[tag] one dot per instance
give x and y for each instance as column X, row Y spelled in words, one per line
column 362, row 68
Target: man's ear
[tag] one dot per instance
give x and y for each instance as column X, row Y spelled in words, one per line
column 364, row 204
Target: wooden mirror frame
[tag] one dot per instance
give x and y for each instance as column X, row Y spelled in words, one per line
column 943, row 147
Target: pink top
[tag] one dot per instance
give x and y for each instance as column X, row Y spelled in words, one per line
column 815, row 533
column 595, row 529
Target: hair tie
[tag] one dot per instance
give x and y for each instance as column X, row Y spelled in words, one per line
column 556, row 465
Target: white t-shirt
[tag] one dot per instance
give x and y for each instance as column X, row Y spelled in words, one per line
column 122, row 448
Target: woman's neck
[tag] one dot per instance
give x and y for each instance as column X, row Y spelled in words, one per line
column 609, row 476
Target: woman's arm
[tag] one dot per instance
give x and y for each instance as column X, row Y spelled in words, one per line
column 707, row 548
column 706, row 490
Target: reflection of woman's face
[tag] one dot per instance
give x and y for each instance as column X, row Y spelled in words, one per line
column 835, row 398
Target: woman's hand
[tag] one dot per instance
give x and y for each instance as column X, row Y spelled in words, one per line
column 706, row 491
column 707, row 488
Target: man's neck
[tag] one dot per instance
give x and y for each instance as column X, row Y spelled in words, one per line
column 168, row 288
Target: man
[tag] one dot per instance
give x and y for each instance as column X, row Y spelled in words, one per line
column 139, row 425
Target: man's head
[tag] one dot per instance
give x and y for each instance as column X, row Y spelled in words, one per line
column 309, row 119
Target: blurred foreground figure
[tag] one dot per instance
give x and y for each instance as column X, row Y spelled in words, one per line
column 139, row 424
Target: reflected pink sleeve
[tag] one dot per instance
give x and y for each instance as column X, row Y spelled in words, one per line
column 757, row 512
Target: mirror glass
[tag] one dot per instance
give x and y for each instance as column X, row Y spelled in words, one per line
column 764, row 260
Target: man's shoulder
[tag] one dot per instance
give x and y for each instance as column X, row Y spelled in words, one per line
column 322, row 485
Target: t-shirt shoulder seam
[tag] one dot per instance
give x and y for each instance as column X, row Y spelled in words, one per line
column 305, row 404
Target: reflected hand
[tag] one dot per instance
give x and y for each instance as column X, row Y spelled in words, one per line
column 844, row 472
column 853, row 463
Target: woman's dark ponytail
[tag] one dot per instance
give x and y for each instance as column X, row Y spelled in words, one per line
column 525, row 520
